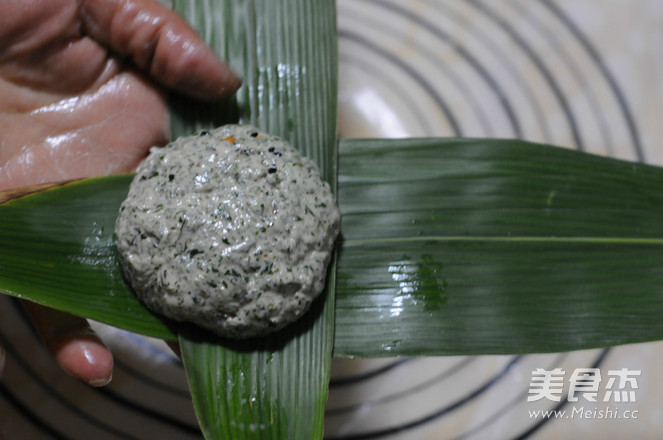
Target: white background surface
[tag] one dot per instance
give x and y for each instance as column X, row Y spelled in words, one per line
column 580, row 74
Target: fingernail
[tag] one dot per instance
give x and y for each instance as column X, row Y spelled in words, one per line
column 87, row 359
column 100, row 382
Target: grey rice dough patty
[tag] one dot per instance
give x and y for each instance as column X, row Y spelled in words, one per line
column 231, row 229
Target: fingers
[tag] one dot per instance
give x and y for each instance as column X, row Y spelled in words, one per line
column 73, row 344
column 161, row 43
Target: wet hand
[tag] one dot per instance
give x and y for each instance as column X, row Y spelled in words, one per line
column 82, row 93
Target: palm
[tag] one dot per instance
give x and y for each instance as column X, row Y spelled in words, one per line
column 76, row 97
column 80, row 95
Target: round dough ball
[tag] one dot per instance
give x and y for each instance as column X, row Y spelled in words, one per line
column 231, row 229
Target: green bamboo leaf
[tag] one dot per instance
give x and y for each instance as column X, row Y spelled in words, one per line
column 449, row 247
column 486, row 246
column 276, row 387
column 57, row 248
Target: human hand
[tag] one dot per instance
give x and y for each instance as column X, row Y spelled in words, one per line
column 81, row 94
